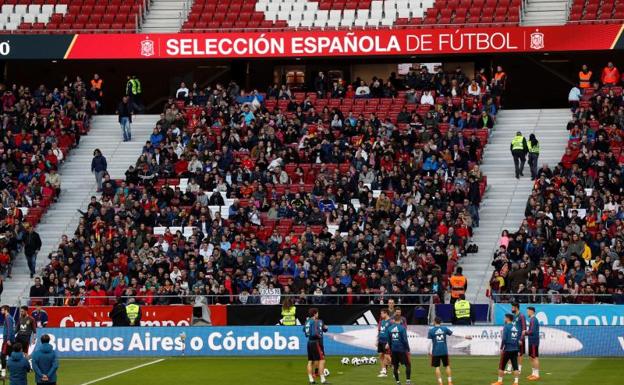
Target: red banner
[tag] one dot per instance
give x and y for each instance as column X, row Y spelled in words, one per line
column 95, row 316
column 382, row 42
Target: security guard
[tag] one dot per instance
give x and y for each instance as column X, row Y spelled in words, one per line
column 133, row 311
column 585, row 76
column 534, row 150
column 288, row 313
column 519, row 149
column 459, row 284
column 134, row 91
column 462, row 312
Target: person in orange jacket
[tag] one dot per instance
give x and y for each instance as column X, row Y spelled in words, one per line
column 610, row 75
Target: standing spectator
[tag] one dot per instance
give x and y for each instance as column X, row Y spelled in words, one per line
column 45, row 363
column 38, row 291
column 610, row 75
column 18, row 366
column 125, row 110
column 98, row 167
column 574, row 98
column 32, row 245
column 118, row 314
column 320, row 85
column 27, row 328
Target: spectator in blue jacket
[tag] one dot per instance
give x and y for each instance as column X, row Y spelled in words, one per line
column 45, row 363
column 18, row 366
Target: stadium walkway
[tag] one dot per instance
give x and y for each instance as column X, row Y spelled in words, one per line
column 505, row 200
column 78, row 185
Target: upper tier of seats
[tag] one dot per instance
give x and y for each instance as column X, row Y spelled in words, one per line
column 84, row 16
column 69, row 16
column 596, row 11
column 289, row 14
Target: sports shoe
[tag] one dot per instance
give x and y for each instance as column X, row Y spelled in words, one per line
column 533, row 378
column 3, row 373
column 450, row 383
column 497, row 383
column 380, row 375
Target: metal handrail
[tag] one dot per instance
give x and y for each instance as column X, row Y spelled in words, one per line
column 546, row 297
column 411, row 299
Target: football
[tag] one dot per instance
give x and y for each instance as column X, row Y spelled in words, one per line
column 345, row 361
column 364, row 360
column 326, row 372
column 355, row 361
column 372, row 360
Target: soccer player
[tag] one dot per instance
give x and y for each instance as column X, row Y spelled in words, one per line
column 509, row 349
column 382, row 342
column 8, row 331
column 399, row 346
column 520, row 321
column 534, row 336
column 314, row 329
column 439, row 349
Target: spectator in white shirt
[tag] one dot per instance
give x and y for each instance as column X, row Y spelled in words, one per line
column 427, row 98
column 362, row 91
column 182, row 92
column 574, row 97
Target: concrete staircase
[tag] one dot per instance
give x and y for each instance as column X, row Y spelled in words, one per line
column 505, row 200
column 166, row 16
column 78, row 185
column 545, row 12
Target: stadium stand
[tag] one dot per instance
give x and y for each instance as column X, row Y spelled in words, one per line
column 240, row 191
column 568, row 246
column 70, row 16
column 596, row 11
column 39, row 127
column 239, row 15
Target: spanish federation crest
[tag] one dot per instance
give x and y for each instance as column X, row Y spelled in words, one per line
column 147, row 47
column 537, row 40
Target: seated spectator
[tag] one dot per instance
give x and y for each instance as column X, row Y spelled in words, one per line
column 308, row 207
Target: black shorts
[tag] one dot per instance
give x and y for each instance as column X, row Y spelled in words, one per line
column 315, row 351
column 506, row 357
column 533, row 350
column 24, row 340
column 382, row 348
column 437, row 360
column 521, row 348
column 399, row 358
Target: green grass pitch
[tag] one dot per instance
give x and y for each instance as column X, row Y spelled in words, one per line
column 291, row 370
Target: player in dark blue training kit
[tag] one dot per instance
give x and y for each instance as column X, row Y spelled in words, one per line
column 521, row 324
column 533, row 332
column 314, row 329
column 509, row 349
column 439, row 349
column 382, row 342
column 399, row 347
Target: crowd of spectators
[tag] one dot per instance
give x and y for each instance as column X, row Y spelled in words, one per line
column 38, row 127
column 314, row 198
column 570, row 247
